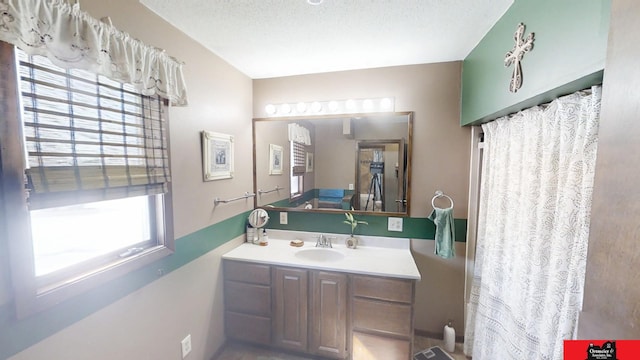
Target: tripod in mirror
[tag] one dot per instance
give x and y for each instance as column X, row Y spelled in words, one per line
column 375, row 187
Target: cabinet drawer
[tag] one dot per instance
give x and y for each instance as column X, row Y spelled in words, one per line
column 247, row 272
column 388, row 318
column 251, row 328
column 399, row 290
column 247, row 298
column 371, row 347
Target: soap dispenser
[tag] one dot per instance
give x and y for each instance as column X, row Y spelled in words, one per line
column 264, row 240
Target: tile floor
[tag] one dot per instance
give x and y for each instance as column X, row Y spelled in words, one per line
column 237, row 351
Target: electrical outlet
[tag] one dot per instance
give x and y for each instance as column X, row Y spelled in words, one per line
column 186, row 346
column 351, row 187
column 394, row 224
column 284, row 218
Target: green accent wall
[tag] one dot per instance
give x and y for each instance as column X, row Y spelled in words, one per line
column 17, row 335
column 568, row 55
column 413, row 228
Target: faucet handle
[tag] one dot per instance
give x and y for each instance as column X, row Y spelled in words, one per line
column 328, row 240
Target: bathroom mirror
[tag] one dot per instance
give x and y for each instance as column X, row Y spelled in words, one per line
column 334, row 163
column 258, row 218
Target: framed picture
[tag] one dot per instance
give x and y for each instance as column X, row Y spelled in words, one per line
column 217, row 156
column 275, row 159
column 309, row 162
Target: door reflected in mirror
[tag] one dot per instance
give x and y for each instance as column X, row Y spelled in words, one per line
column 335, row 163
column 380, row 181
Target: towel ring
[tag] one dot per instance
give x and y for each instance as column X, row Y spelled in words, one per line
column 438, row 195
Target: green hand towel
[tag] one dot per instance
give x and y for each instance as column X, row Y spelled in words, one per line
column 445, row 232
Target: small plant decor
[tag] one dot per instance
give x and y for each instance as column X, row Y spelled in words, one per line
column 353, row 222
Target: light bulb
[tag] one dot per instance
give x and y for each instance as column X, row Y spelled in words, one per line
column 367, row 105
column 316, row 107
column 333, row 105
column 301, row 107
column 385, row 104
column 285, row 108
column 270, row 109
column 350, row 105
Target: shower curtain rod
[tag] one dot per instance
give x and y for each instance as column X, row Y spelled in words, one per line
column 586, row 91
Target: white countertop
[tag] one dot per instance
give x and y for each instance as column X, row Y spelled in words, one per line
column 377, row 256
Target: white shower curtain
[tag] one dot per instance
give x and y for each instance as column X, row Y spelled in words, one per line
column 533, row 228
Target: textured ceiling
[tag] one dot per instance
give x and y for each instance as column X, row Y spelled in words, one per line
column 271, row 38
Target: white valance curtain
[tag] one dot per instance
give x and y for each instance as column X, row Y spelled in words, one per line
column 299, row 134
column 71, row 38
column 533, row 229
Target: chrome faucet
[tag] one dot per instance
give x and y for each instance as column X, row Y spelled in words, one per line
column 324, row 241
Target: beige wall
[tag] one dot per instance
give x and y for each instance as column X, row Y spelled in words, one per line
column 611, row 295
column 441, row 150
column 330, row 147
column 276, row 133
column 150, row 323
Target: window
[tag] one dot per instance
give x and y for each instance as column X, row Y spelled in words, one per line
column 297, row 157
column 86, row 186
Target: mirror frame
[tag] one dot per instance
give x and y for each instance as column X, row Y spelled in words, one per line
column 409, row 145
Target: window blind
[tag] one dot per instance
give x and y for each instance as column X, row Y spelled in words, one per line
column 89, row 138
column 298, row 158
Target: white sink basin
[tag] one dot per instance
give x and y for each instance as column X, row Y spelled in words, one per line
column 320, row 254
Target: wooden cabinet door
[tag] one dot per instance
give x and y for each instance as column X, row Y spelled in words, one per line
column 290, row 312
column 328, row 322
column 381, row 313
column 247, row 299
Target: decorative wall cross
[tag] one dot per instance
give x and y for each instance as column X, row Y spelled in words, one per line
column 514, row 56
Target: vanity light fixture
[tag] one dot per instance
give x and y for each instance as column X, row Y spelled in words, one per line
column 350, row 106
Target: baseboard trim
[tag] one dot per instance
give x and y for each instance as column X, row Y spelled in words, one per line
column 435, row 335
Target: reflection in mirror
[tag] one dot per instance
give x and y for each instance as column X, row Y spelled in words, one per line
column 380, row 180
column 258, row 218
column 335, row 163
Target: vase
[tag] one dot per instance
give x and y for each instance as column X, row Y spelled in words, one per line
column 351, row 242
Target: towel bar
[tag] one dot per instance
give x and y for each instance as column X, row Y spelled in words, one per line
column 247, row 194
column 260, row 192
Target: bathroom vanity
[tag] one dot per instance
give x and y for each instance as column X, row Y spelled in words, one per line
column 336, row 303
